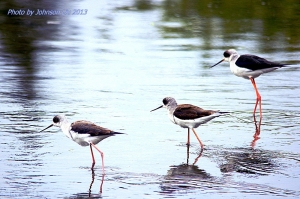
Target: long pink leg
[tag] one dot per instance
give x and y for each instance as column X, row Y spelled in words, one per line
column 102, row 180
column 258, row 98
column 101, row 153
column 188, row 141
column 202, row 146
column 93, row 158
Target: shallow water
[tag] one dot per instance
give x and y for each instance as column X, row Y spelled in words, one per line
column 115, row 64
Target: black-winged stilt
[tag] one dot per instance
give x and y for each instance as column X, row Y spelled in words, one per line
column 188, row 116
column 84, row 133
column 249, row 67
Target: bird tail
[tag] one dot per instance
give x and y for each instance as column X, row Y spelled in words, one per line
column 223, row 112
column 115, row 133
column 285, row 65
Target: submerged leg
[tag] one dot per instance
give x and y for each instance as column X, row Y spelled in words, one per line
column 102, row 180
column 257, row 132
column 93, row 159
column 101, row 153
column 92, row 182
column 187, row 154
column 258, row 98
column 257, row 126
column 202, row 146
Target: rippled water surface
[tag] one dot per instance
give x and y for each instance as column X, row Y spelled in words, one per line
column 115, row 64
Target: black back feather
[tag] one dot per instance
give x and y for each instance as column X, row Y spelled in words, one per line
column 254, row 62
column 189, row 112
column 86, row 127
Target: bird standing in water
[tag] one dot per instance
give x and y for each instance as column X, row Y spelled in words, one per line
column 249, row 67
column 188, row 116
column 84, row 133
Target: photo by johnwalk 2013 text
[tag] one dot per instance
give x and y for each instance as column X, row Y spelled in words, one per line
column 29, row 12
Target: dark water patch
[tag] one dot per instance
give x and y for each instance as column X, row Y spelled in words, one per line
column 249, row 161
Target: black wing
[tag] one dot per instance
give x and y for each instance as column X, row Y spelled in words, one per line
column 86, row 127
column 254, row 62
column 190, row 112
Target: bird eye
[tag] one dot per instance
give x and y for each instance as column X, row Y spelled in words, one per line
column 226, row 54
column 56, row 119
column 165, row 101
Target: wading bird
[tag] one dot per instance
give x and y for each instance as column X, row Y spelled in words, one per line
column 84, row 133
column 249, row 67
column 188, row 116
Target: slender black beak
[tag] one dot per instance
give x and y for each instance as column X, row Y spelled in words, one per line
column 218, row 63
column 46, row 128
column 157, row 108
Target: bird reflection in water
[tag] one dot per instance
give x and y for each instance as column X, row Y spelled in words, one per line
column 257, row 125
column 183, row 177
column 188, row 155
column 257, row 131
column 92, row 182
column 89, row 194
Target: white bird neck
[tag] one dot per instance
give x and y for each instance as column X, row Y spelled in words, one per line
column 66, row 128
column 171, row 108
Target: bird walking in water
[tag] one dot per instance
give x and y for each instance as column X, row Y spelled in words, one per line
column 249, row 67
column 84, row 133
column 188, row 116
